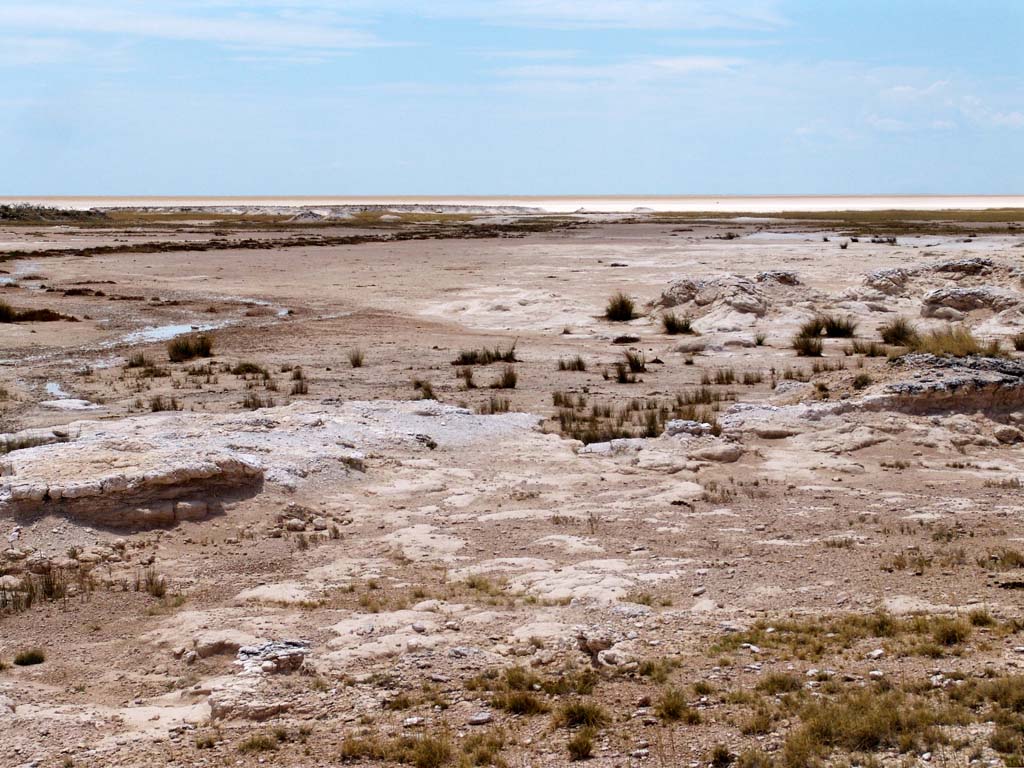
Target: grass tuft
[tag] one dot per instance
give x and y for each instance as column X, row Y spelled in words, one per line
column 956, row 341
column 189, row 347
column 900, row 332
column 620, row 308
column 30, row 657
column 672, row 324
column 807, row 346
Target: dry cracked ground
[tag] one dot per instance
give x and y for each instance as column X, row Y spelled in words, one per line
column 377, row 489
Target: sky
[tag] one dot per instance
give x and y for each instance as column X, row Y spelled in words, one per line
column 511, row 97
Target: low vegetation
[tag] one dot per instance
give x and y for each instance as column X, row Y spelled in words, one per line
column 899, row 332
column 620, row 308
column 486, row 356
column 673, row 324
column 9, row 314
column 955, row 341
column 189, row 347
column 807, row 346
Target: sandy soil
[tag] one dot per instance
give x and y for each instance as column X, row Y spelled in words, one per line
column 706, row 592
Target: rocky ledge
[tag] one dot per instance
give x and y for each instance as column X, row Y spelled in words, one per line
column 158, row 469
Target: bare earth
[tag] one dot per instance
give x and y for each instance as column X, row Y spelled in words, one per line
column 270, row 555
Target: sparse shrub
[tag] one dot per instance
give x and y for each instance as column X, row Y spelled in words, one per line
column 980, row 617
column 300, row 387
column 576, row 363
column 581, row 746
column 1018, row 342
column 520, row 703
column 900, row 332
column 672, row 707
column 623, row 376
column 866, row 348
column 807, row 346
column 780, row 682
column 158, row 403
column 507, row 379
column 247, row 368
column 258, row 742
column 620, row 309
column 580, row 712
column 466, row 374
column 672, row 324
column 812, row 328
column 486, row 356
column 861, row 380
column 721, row 756
column 636, row 361
column 29, row 657
column 254, row 402
column 356, row 357
column 956, row 341
column 188, row 347
column 760, row 338
column 840, row 327
column 950, row 632
column 137, row 360
column 496, row 405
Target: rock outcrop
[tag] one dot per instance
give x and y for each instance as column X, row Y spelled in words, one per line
column 163, row 468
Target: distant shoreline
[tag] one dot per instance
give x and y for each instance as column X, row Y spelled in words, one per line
column 554, row 204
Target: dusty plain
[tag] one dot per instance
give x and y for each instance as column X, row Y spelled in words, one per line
column 343, row 535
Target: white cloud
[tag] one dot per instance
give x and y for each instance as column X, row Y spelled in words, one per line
column 35, row 51
column 629, row 72
column 560, row 14
column 177, row 23
column 617, row 14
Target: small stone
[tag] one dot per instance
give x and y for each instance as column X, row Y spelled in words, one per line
column 876, row 654
column 480, row 718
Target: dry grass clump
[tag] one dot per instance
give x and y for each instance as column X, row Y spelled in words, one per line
column 581, row 745
column 780, row 682
column 258, row 742
column 247, row 368
column 636, row 361
column 807, row 346
column 253, row 402
column 581, row 712
column 866, row 721
column 356, row 358
column 486, row 356
column 1018, row 342
column 495, row 405
column 866, row 348
column 832, row 326
column 520, row 703
column 29, row 657
column 861, row 380
column 576, row 363
column 507, row 380
column 419, row 751
column 900, row 332
column 673, row 324
column 598, row 423
column 188, row 347
column 955, row 341
column 672, row 707
column 620, row 308
column 9, row 314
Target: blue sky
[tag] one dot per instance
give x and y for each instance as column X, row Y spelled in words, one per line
column 511, row 96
